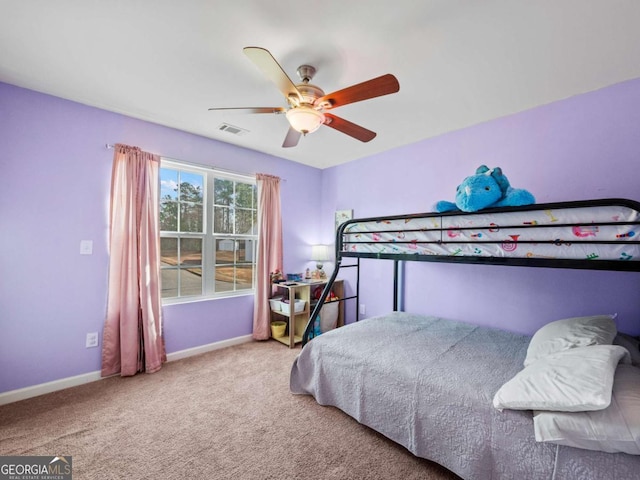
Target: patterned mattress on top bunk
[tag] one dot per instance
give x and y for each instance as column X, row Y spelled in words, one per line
column 606, row 230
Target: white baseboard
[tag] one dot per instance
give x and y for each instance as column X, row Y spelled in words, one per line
column 190, row 352
column 36, row 390
column 48, row 387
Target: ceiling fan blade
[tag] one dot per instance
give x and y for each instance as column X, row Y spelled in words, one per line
column 253, row 109
column 292, row 138
column 351, row 129
column 375, row 87
column 272, row 69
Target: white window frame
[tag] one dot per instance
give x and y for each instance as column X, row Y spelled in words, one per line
column 209, row 237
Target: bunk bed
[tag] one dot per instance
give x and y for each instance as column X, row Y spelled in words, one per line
column 428, row 383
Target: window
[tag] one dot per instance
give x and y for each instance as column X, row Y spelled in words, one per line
column 208, row 232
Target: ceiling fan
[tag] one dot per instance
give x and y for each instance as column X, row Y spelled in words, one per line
column 307, row 102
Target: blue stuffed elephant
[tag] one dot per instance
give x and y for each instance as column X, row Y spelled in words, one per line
column 489, row 187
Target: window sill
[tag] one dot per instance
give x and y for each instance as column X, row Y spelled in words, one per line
column 205, row 298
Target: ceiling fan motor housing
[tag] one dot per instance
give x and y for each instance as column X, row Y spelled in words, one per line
column 309, row 93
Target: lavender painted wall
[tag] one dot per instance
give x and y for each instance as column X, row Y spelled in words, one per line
column 55, row 192
column 587, row 146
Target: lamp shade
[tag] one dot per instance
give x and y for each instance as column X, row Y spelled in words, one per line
column 305, row 119
column 320, row 253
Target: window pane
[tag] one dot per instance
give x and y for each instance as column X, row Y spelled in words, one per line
column 191, row 187
column 244, row 251
column 191, row 217
column 191, row 251
column 224, row 278
column 190, row 281
column 169, row 279
column 255, row 197
column 223, row 192
column 168, row 184
column 225, row 250
column 168, row 252
column 245, row 195
column 168, row 199
column 244, row 278
column 244, row 221
column 222, row 220
column 168, row 215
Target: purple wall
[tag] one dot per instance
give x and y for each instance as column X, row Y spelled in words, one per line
column 583, row 147
column 57, row 176
column 55, row 193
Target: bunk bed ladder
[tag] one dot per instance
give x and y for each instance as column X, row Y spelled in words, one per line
column 308, row 331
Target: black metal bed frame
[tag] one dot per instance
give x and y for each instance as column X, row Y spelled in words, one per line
column 343, row 243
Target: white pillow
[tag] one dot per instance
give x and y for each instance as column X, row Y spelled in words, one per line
column 575, row 380
column 614, row 429
column 571, row 333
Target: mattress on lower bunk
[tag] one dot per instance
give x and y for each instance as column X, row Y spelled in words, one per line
column 428, row 384
column 548, row 233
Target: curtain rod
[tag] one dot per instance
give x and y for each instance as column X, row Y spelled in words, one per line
column 208, row 167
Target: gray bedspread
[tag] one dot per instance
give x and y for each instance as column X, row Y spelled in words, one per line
column 427, row 383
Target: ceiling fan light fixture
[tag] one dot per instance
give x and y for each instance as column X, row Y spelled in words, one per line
column 305, row 119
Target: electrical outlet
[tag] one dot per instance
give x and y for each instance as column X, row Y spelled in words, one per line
column 363, row 310
column 92, row 340
column 86, row 247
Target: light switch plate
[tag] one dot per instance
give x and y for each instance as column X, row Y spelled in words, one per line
column 92, row 340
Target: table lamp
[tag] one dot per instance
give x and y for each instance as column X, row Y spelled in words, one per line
column 320, row 254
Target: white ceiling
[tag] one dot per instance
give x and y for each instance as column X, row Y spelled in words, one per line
column 459, row 62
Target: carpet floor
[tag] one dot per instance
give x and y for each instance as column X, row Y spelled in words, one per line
column 226, row 414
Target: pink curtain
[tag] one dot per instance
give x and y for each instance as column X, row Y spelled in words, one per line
column 269, row 257
column 132, row 337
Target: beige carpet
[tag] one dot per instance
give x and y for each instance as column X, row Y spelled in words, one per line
column 227, row 414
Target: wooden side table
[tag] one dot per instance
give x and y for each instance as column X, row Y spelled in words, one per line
column 296, row 321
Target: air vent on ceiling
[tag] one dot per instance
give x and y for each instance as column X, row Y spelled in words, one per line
column 226, row 127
